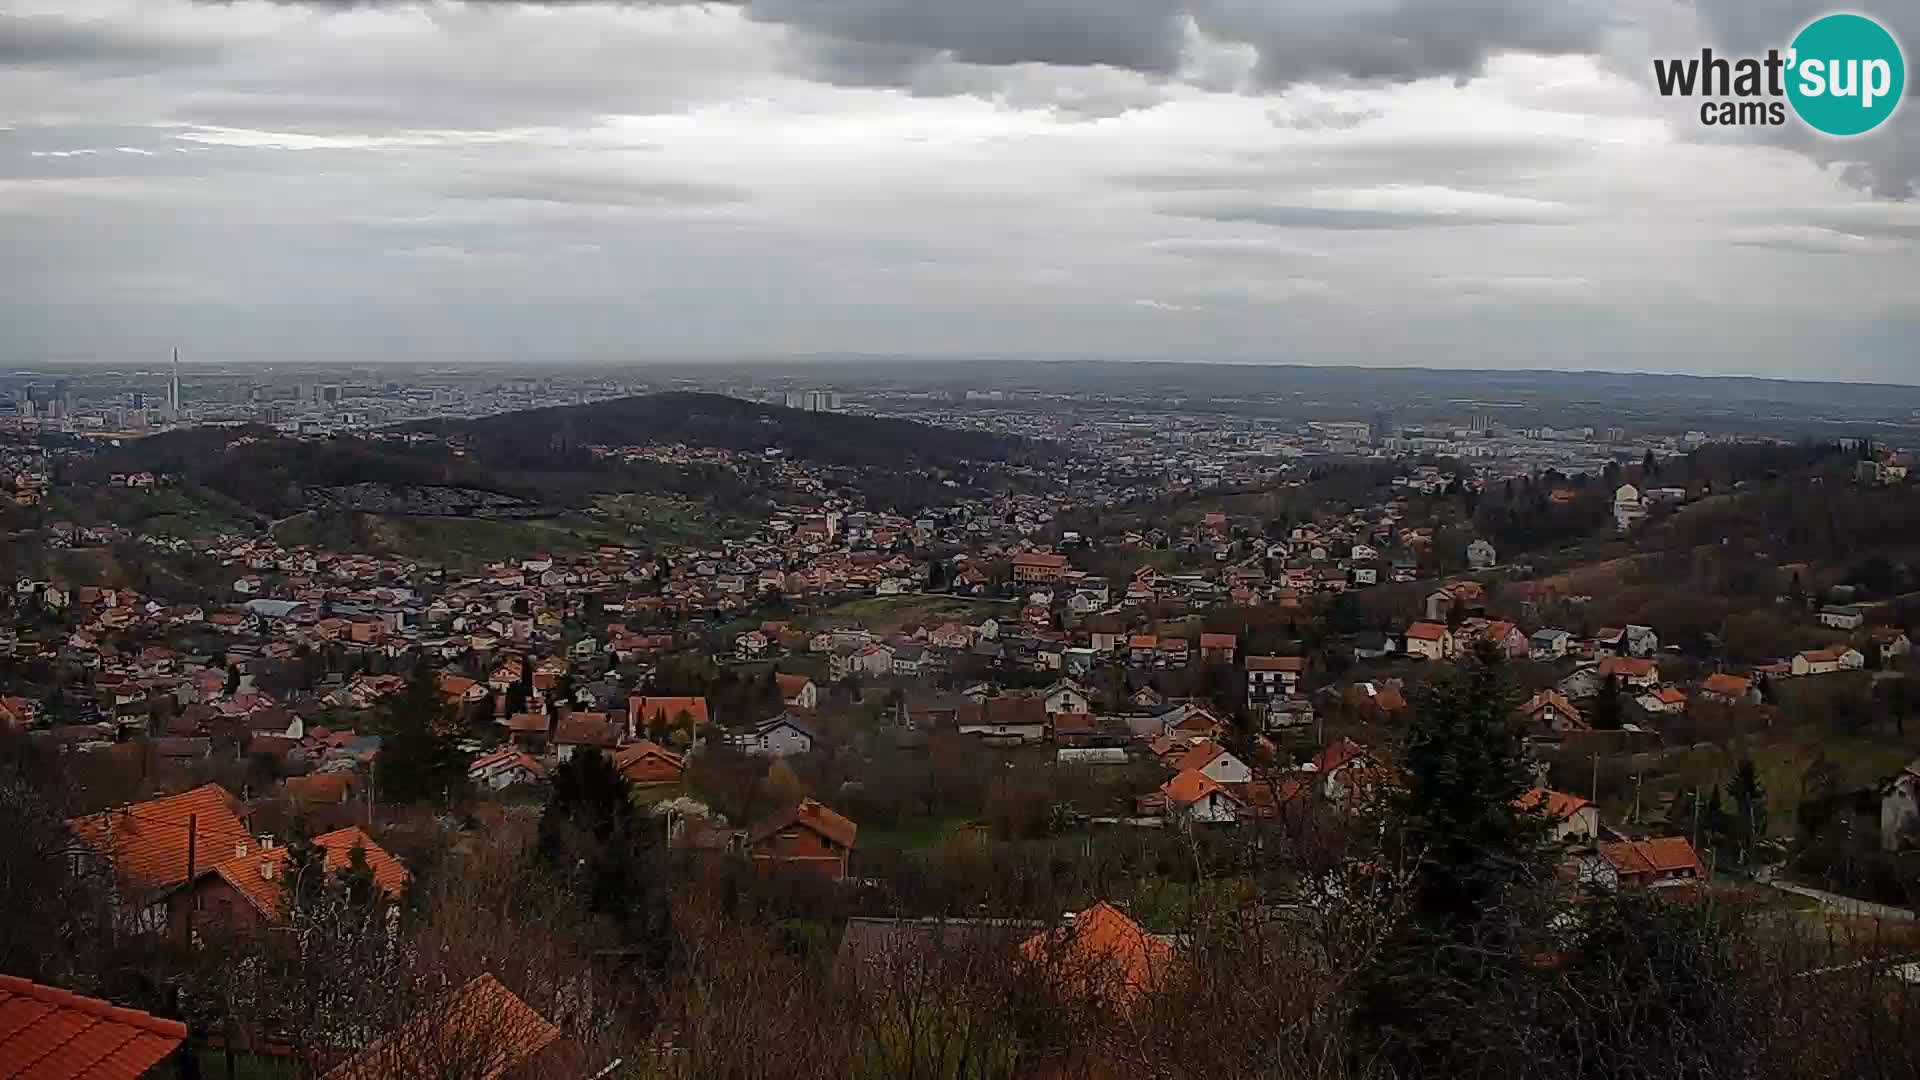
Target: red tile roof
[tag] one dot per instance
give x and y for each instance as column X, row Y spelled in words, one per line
column 49, row 1034
column 586, row 729
column 642, row 711
column 1661, row 855
column 1200, row 756
column 1726, row 685
column 1190, row 787
column 1277, row 663
column 1559, row 804
column 811, row 815
column 1216, row 641
column 1040, row 560
column 483, row 1026
column 1426, row 631
column 256, row 874
column 148, row 841
column 1627, row 667
column 1338, row 756
column 1103, row 952
column 648, row 763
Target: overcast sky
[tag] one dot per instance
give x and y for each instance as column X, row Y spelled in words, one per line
column 1471, row 183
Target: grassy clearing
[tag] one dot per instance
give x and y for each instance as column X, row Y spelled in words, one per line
column 667, row 519
column 911, row 834
column 452, row 540
column 886, row 614
column 1781, row 758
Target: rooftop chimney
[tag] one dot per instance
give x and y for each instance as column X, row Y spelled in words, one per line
column 239, row 849
column 266, row 869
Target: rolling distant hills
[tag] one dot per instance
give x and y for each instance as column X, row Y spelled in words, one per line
column 537, row 463
column 540, row 437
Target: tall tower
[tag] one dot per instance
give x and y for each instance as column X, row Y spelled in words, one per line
column 173, row 389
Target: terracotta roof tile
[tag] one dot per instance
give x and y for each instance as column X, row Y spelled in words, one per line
column 811, row 815
column 148, row 841
column 482, row 1030
column 267, row 891
column 50, row 1034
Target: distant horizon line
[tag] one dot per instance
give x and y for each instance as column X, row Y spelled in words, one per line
column 812, row 358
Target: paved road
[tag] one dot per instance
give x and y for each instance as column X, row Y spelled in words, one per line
column 1844, row 904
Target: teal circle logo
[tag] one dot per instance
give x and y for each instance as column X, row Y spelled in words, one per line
column 1846, row 74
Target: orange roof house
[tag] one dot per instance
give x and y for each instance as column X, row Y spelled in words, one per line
column 644, row 712
column 1651, row 862
column 645, row 763
column 1726, row 687
column 49, row 1034
column 807, row 836
column 1101, row 952
column 248, row 885
column 482, row 1031
column 147, row 842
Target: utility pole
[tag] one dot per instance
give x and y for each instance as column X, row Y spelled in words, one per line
column 1594, row 791
column 193, row 844
column 1696, row 820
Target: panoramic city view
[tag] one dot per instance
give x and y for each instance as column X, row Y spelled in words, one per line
column 1144, row 540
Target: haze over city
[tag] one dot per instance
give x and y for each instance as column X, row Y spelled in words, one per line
column 1397, row 184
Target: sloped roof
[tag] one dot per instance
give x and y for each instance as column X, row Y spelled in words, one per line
column 1277, row 663
column 268, row 893
column 810, row 815
column 50, row 1034
column 529, row 723
column 1190, row 786
column 1426, row 631
column 1338, row 755
column 1200, row 756
column 483, row 1026
column 586, row 729
column 1726, row 685
column 1559, row 805
column 148, row 841
column 1105, row 952
column 643, row 710
column 1660, row 855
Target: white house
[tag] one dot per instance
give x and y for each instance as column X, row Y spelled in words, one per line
column 1628, row 506
column 1430, row 641
column 1572, row 817
column 782, row 736
column 1065, row 696
column 504, row 768
column 1194, row 797
column 1842, row 616
column 1900, row 807
column 1480, row 555
column 1216, row 763
column 1827, row 661
column 1548, row 644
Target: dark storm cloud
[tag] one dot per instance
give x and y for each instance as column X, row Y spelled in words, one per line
column 1398, row 40
column 47, row 41
column 1140, row 35
column 1394, row 40
column 1885, row 162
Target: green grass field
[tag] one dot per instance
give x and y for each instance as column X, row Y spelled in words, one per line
column 911, row 834
column 666, row 519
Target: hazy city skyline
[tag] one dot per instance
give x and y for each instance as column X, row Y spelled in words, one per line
column 1408, row 185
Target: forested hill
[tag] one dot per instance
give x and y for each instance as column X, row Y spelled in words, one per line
column 538, row 436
